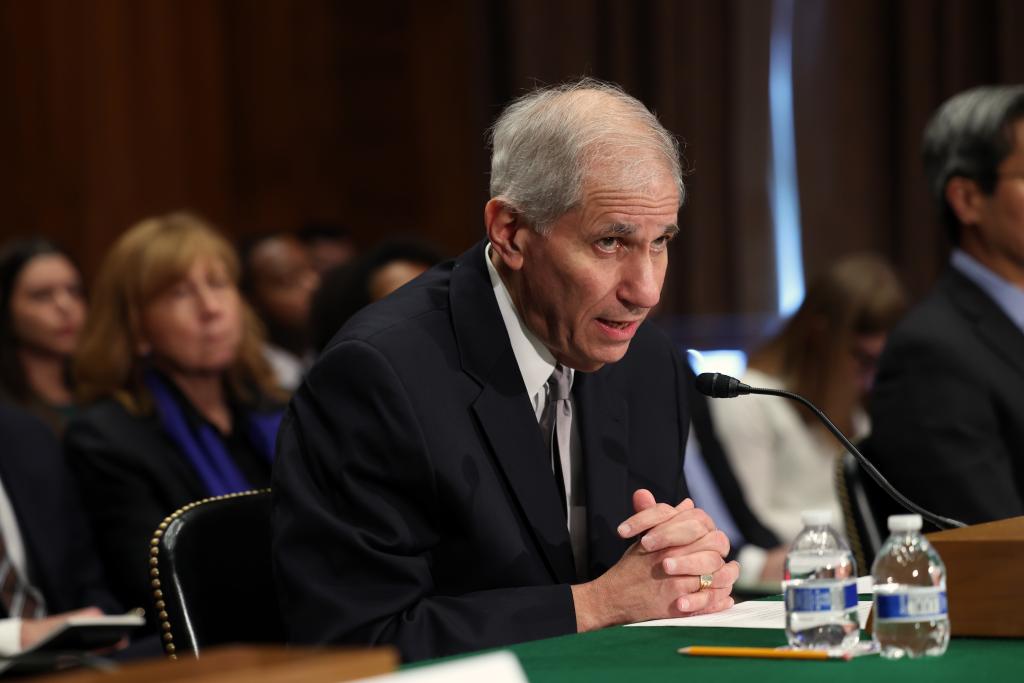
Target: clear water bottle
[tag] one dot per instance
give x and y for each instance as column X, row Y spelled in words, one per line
column 911, row 617
column 820, row 587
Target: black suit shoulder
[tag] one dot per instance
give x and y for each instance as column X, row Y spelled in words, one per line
column 947, row 408
column 933, row 335
column 106, row 426
column 413, row 307
column 50, row 517
column 130, row 476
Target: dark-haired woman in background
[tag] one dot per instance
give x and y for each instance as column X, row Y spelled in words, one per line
column 177, row 401
column 42, row 311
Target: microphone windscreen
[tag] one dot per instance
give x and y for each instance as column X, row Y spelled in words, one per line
column 717, row 385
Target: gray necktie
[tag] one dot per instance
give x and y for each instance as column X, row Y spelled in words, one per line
column 556, row 423
column 18, row 597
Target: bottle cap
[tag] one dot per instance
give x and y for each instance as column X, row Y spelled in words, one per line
column 816, row 517
column 904, row 522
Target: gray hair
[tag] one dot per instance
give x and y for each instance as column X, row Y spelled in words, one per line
column 548, row 142
column 969, row 136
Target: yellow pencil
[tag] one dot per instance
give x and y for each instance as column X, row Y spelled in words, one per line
column 764, row 652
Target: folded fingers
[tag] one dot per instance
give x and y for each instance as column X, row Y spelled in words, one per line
column 695, row 564
column 711, row 598
column 688, row 533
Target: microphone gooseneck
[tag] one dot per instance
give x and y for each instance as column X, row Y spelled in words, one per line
column 717, row 385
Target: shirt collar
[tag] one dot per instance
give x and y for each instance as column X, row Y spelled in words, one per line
column 1008, row 297
column 534, row 359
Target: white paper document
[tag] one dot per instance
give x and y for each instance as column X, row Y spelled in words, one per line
column 750, row 614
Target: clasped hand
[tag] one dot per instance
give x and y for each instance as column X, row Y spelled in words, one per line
column 658, row 577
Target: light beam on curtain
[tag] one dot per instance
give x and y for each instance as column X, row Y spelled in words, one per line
column 784, row 190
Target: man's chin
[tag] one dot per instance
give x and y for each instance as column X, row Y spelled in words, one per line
column 596, row 361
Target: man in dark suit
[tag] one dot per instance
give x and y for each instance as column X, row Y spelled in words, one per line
column 948, row 406
column 472, row 460
column 45, row 542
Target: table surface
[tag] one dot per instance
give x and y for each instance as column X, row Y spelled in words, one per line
column 649, row 654
column 248, row 664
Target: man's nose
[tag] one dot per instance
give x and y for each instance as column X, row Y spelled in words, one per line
column 641, row 282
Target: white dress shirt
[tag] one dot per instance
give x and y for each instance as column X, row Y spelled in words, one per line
column 288, row 368
column 1007, row 296
column 10, row 628
column 536, row 363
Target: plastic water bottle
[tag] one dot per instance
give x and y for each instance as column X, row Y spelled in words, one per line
column 820, row 587
column 911, row 617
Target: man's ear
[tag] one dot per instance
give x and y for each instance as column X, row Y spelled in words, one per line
column 504, row 225
column 966, row 199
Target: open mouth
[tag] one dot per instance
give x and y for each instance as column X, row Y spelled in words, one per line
column 618, row 330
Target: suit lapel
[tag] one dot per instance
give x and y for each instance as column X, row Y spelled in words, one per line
column 504, row 410
column 993, row 326
column 512, row 431
column 19, row 486
column 604, row 428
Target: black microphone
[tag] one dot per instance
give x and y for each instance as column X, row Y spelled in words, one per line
column 717, row 385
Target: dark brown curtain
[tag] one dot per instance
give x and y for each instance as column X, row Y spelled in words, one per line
column 265, row 113
column 867, row 77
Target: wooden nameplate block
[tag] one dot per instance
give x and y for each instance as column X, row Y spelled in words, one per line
column 984, row 568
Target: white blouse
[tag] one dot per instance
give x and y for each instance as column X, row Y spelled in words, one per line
column 784, row 464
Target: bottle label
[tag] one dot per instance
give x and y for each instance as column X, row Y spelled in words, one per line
column 834, row 596
column 911, row 603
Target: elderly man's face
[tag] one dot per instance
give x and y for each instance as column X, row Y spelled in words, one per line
column 584, row 288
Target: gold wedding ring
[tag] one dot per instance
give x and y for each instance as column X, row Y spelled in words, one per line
column 705, row 581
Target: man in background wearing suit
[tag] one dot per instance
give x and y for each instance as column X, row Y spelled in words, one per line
column 475, row 460
column 948, row 407
column 48, row 565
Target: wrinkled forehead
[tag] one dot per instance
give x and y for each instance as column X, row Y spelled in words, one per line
column 633, row 171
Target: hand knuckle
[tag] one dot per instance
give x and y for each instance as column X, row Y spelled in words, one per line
column 665, row 509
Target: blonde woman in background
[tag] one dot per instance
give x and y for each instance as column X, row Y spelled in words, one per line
column 178, row 402
column 828, row 351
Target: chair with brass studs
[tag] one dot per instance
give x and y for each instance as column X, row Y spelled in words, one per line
column 210, row 565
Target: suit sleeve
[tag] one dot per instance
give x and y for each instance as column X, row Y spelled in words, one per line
column 83, row 563
column 357, row 517
column 56, row 535
column 937, row 437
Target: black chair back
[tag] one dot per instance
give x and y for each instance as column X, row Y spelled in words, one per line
column 212, row 574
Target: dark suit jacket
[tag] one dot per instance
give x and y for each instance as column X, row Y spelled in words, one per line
column 58, row 545
column 415, row 503
column 131, row 476
column 947, row 410
column 754, row 532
